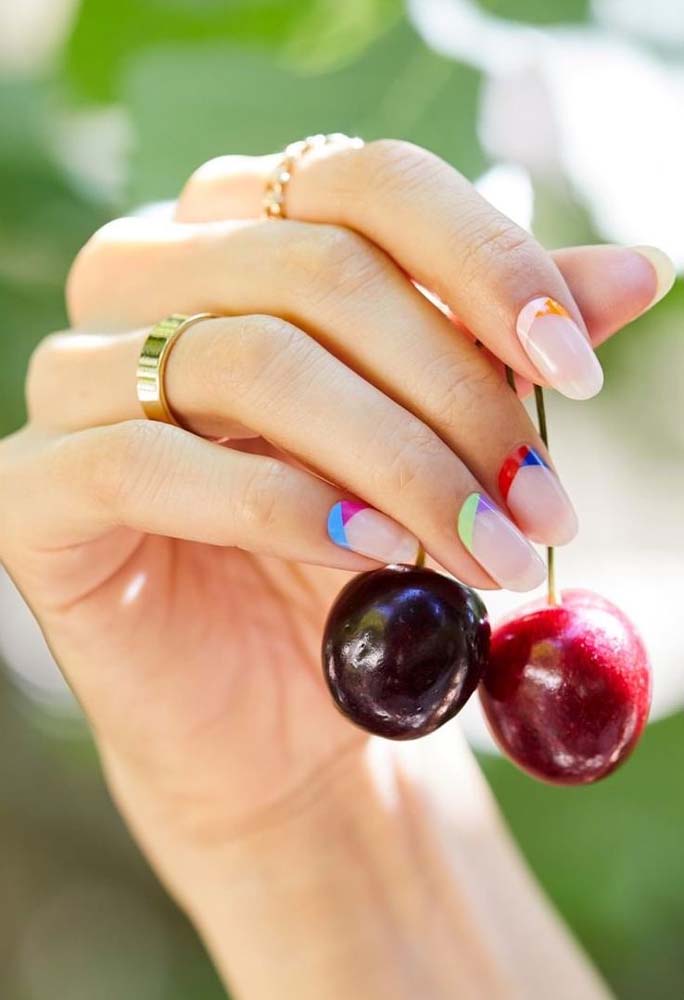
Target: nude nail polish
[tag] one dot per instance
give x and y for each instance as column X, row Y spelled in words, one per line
column 664, row 270
column 354, row 525
column 534, row 495
column 499, row 547
column 558, row 349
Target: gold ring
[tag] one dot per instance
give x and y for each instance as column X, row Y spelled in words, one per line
column 152, row 365
column 276, row 184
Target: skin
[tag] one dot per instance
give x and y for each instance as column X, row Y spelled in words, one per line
column 182, row 586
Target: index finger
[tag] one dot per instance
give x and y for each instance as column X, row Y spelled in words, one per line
column 499, row 281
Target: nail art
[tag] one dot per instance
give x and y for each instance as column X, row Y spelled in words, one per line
column 536, row 498
column 354, row 525
column 498, row 546
column 558, row 348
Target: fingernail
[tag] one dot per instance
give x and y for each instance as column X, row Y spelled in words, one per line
column 665, row 272
column 558, row 349
column 498, row 546
column 536, row 499
column 355, row 525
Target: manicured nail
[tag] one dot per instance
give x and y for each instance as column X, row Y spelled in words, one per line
column 498, row 546
column 558, row 349
column 355, row 525
column 535, row 497
column 665, row 272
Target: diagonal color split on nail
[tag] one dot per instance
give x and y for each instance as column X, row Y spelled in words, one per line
column 498, row 545
column 535, row 497
column 354, row 525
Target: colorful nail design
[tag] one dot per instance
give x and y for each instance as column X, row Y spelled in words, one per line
column 536, row 499
column 354, row 525
column 522, row 457
column 497, row 544
column 558, row 348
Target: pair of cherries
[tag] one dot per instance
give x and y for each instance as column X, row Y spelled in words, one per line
column 565, row 687
column 565, row 684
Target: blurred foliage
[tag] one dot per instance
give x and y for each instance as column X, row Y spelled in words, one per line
column 610, row 856
column 318, row 31
column 539, row 11
column 197, row 78
column 81, row 917
column 44, row 217
column 398, row 87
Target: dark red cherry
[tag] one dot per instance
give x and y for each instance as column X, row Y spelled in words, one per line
column 567, row 688
column 403, row 650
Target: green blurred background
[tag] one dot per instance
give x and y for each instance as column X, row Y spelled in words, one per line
column 109, row 103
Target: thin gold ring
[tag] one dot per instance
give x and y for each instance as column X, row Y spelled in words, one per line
column 152, row 363
column 276, row 183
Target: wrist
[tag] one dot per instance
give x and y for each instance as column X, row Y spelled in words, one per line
column 389, row 874
column 347, row 892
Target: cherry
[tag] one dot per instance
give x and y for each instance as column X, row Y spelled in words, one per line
column 403, row 650
column 567, row 688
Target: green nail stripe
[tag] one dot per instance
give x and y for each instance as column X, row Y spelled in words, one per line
column 466, row 519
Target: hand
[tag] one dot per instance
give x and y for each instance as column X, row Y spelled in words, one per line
column 182, row 585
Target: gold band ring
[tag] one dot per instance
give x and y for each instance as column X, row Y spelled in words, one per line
column 276, row 184
column 152, row 365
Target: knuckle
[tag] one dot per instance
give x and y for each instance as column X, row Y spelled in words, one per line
column 263, row 351
column 123, row 465
column 327, row 261
column 460, row 386
column 501, row 246
column 41, row 370
column 415, row 455
column 81, row 282
column 106, row 273
column 261, row 499
column 207, row 171
column 213, row 174
column 396, row 165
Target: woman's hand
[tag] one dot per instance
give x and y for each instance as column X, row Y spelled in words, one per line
column 182, row 584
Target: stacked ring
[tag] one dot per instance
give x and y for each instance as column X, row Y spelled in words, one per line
column 276, row 185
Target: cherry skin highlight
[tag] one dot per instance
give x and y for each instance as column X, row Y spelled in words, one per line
column 403, row 650
column 567, row 688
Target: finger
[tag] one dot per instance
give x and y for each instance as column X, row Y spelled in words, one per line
column 500, row 282
column 333, row 283
column 159, row 479
column 271, row 377
column 614, row 285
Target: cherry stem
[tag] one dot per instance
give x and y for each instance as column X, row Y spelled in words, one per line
column 544, row 435
column 420, row 558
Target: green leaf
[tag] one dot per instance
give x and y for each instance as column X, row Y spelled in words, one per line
column 231, row 100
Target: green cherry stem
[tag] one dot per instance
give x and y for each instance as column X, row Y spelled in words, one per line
column 544, row 435
column 550, row 553
column 420, row 557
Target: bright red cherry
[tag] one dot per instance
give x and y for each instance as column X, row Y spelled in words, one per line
column 403, row 650
column 567, row 688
